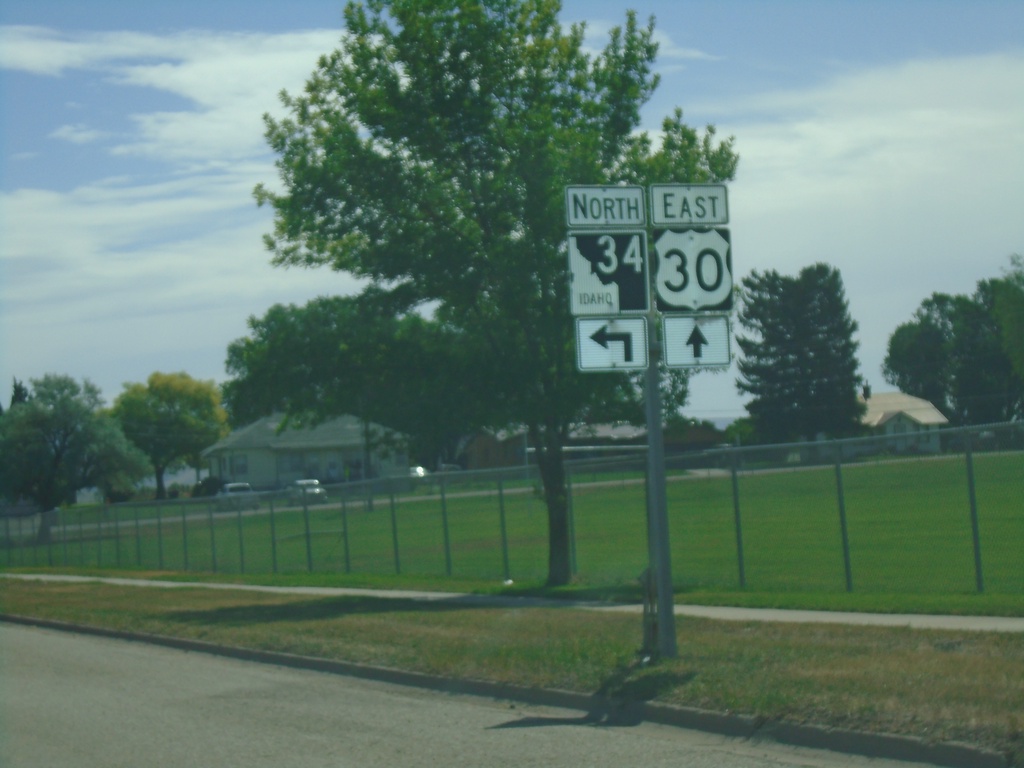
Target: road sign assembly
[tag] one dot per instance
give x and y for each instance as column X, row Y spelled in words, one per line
column 693, row 341
column 612, row 279
column 611, row 343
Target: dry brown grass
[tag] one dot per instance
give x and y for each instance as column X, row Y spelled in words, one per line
column 945, row 686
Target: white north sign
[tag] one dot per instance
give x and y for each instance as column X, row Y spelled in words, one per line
column 611, row 343
column 689, row 205
column 605, row 206
column 693, row 341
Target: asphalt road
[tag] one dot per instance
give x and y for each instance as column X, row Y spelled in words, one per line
column 94, row 702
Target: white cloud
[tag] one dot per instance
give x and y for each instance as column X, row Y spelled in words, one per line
column 906, row 178
column 78, row 133
column 229, row 79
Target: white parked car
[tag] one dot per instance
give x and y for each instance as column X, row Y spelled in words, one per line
column 238, row 496
column 310, row 490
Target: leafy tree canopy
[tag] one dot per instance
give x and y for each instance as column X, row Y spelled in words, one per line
column 956, row 353
column 366, row 356
column 1009, row 309
column 60, row 441
column 171, row 418
column 799, row 361
column 429, row 154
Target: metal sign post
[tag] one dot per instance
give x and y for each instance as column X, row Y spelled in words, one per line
column 611, row 282
column 657, row 508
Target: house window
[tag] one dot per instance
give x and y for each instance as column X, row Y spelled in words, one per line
column 296, row 462
column 239, row 465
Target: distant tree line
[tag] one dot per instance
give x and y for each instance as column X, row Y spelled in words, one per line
column 965, row 354
column 57, row 438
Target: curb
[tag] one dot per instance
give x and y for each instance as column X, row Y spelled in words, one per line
column 599, row 709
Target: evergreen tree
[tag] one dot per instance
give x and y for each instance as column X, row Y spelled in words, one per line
column 799, row 361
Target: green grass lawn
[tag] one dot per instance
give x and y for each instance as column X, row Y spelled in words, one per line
column 908, row 522
column 940, row 686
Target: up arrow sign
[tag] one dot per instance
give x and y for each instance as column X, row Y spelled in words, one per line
column 697, row 341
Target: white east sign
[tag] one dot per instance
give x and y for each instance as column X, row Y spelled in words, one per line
column 689, row 205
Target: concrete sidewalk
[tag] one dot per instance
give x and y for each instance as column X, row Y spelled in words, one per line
column 722, row 613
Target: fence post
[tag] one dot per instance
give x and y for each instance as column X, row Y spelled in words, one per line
column 504, row 532
column 309, row 540
column 138, row 538
column 213, row 538
column 444, row 524
column 99, row 536
column 49, row 537
column 842, row 516
column 394, row 531
column 344, row 533
column 160, row 536
column 734, row 456
column 184, row 538
column 972, row 499
column 63, row 538
column 117, row 537
column 573, row 568
column 273, row 537
column 241, row 543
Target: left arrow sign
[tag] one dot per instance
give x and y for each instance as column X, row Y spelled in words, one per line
column 602, row 336
column 611, row 343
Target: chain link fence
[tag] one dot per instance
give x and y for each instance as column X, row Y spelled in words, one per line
column 917, row 512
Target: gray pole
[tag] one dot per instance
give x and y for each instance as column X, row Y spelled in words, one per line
column 657, row 507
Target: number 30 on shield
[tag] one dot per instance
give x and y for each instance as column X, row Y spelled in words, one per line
column 693, row 269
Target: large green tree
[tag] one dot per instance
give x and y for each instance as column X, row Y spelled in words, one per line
column 368, row 356
column 1009, row 310
column 430, row 153
column 171, row 418
column 59, row 441
column 799, row 360
column 954, row 353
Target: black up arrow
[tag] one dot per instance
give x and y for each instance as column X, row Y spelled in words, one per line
column 602, row 337
column 697, row 341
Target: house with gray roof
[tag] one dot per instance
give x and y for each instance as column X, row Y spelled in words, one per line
column 912, row 422
column 269, row 454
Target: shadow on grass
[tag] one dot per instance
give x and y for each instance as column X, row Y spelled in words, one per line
column 320, row 609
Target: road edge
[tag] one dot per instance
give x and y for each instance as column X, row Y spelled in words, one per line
column 598, row 708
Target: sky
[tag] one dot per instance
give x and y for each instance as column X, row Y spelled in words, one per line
column 883, row 138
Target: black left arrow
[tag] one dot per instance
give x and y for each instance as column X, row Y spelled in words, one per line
column 697, row 341
column 602, row 337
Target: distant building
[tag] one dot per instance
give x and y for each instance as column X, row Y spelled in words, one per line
column 915, row 423
column 266, row 456
column 510, row 448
